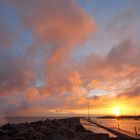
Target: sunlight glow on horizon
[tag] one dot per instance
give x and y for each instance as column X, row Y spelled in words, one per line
column 117, row 111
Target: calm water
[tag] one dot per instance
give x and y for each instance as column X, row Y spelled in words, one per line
column 124, row 124
column 23, row 119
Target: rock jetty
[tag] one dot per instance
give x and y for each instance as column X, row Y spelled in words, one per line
column 62, row 129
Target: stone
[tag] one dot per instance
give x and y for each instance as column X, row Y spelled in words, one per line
column 37, row 136
column 54, row 136
column 7, row 126
column 62, row 129
column 42, row 129
column 22, row 133
column 2, row 132
column 16, row 138
column 13, row 131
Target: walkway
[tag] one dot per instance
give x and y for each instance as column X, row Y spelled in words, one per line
column 120, row 133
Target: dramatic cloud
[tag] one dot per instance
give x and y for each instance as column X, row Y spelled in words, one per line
column 7, row 38
column 41, row 68
column 38, row 68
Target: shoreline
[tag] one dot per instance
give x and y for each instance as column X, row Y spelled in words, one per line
column 56, row 129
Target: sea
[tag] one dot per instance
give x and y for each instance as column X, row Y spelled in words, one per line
column 4, row 120
column 130, row 125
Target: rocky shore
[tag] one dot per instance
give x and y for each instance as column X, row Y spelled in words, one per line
column 62, row 129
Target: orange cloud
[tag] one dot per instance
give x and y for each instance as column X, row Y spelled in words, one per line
column 58, row 27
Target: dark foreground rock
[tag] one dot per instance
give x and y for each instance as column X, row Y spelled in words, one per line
column 62, row 129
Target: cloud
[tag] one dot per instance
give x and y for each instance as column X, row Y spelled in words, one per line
column 43, row 75
column 132, row 92
column 57, row 27
column 61, row 24
column 7, row 37
column 125, row 53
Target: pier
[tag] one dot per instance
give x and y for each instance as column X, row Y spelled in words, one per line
column 117, row 132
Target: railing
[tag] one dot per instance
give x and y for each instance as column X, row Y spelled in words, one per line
column 135, row 130
column 118, row 131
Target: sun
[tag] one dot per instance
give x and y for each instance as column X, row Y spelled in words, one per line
column 116, row 111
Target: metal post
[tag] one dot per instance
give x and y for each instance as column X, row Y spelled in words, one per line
column 88, row 110
column 118, row 126
column 136, row 131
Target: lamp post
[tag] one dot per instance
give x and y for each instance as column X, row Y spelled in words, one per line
column 88, row 108
column 89, row 96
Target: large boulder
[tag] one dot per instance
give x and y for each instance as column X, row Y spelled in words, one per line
column 36, row 136
column 43, row 129
column 8, row 126
column 22, row 133
column 13, row 131
column 2, row 132
column 16, row 138
column 90, row 136
column 55, row 136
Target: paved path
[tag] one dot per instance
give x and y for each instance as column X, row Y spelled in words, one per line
column 120, row 133
column 95, row 129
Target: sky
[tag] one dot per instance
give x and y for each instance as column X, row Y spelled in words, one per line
column 58, row 56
